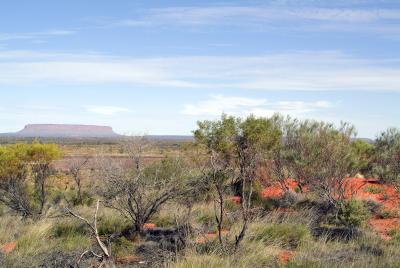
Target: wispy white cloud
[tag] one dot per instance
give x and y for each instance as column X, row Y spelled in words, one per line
column 106, row 110
column 318, row 71
column 34, row 35
column 218, row 104
column 242, row 106
column 296, row 17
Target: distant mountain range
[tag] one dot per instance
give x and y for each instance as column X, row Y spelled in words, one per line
column 64, row 131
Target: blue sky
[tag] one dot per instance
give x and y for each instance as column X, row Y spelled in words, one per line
column 159, row 66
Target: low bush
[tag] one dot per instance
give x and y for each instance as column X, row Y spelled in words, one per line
column 353, row 213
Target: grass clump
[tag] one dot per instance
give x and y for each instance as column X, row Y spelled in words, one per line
column 68, row 228
column 288, row 235
column 123, row 247
column 111, row 223
column 71, row 235
column 373, row 190
column 388, row 214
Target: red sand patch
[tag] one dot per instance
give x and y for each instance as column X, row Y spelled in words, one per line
column 8, row 248
column 384, row 226
column 149, row 226
column 275, row 191
column 285, row 256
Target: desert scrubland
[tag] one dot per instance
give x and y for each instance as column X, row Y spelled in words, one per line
column 246, row 192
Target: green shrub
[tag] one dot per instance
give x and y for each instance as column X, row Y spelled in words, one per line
column 373, row 190
column 353, row 213
column 288, row 235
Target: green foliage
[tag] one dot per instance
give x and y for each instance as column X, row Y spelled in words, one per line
column 18, row 164
column 70, row 235
column 373, row 190
column 353, row 213
column 165, row 221
column 38, row 152
column 289, row 235
column 319, row 154
column 111, row 224
column 219, row 135
column 362, row 156
column 387, row 214
column 68, row 228
column 206, row 218
column 395, row 234
column 387, row 156
column 123, row 247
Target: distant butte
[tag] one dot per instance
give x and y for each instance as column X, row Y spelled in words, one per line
column 66, row 131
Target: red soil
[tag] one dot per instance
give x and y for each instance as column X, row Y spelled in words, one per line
column 8, row 248
column 276, row 191
column 384, row 226
column 285, row 256
column 149, row 226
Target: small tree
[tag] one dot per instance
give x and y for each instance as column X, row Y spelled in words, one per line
column 18, row 164
column 218, row 139
column 41, row 157
column 256, row 139
column 75, row 170
column 138, row 195
column 387, row 156
column 13, row 180
column 236, row 148
column 320, row 156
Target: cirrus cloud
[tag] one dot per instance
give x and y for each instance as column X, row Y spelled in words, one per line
column 243, row 106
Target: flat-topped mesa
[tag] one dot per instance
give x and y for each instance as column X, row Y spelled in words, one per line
column 67, row 131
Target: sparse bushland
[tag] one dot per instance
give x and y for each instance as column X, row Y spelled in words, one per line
column 205, row 204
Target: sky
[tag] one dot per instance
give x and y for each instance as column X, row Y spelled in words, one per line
column 157, row 67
